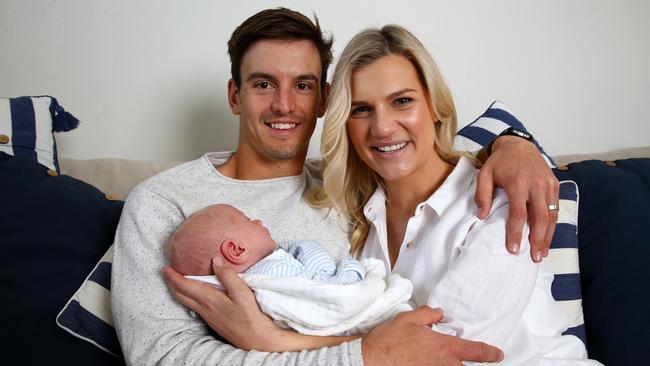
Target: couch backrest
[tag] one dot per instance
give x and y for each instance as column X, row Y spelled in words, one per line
column 118, row 177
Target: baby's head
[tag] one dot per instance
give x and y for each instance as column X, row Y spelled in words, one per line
column 218, row 231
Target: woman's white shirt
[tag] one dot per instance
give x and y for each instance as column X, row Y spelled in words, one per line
column 460, row 264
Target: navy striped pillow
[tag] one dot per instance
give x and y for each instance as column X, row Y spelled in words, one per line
column 563, row 261
column 27, row 125
column 485, row 128
column 87, row 314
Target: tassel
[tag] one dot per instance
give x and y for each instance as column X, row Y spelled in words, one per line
column 61, row 120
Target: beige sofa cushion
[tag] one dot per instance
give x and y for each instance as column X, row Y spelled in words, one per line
column 117, row 177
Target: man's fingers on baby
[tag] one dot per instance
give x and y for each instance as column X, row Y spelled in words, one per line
column 187, row 301
column 173, row 279
column 175, row 283
column 230, row 280
column 179, row 285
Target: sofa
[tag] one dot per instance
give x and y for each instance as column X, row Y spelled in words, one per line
column 59, row 216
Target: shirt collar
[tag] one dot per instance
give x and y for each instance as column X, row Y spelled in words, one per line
column 376, row 205
column 459, row 180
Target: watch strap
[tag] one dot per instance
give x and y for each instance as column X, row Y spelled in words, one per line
column 510, row 131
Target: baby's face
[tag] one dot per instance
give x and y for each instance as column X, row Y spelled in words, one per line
column 251, row 232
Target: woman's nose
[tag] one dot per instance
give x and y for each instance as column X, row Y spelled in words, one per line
column 383, row 124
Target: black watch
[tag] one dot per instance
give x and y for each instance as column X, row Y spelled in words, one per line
column 510, row 131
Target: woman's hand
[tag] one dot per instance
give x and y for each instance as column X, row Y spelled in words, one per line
column 234, row 314
column 517, row 166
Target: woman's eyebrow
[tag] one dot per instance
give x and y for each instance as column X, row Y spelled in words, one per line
column 399, row 92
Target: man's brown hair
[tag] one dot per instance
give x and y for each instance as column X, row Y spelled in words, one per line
column 279, row 23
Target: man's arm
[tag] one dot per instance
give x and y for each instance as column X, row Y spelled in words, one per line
column 406, row 340
column 517, row 166
column 409, row 340
column 155, row 329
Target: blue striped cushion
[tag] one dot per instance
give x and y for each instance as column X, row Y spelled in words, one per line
column 28, row 124
column 563, row 256
column 87, row 314
column 484, row 129
column 563, row 260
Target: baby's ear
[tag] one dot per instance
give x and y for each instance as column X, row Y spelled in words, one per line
column 234, row 252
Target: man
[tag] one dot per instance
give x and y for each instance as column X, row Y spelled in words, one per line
column 278, row 89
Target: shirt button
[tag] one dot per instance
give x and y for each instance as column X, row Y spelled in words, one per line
column 52, row 173
column 410, row 244
column 4, row 139
column 610, row 163
column 109, row 197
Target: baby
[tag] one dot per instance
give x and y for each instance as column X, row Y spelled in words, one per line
column 223, row 231
column 322, row 298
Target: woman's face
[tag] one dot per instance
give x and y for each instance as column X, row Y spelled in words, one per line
column 390, row 124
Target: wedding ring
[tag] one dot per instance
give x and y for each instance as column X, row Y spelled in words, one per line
column 553, row 207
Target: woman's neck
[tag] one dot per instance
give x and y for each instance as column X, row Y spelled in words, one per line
column 406, row 193
column 403, row 197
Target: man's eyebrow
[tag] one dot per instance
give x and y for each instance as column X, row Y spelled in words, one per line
column 307, row 77
column 261, row 75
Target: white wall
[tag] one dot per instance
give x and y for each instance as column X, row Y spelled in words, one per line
column 148, row 77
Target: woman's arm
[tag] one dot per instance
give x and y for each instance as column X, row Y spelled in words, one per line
column 485, row 289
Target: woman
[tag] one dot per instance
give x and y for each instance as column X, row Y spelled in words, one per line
column 390, row 168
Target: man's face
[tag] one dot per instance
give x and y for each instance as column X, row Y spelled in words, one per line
column 279, row 99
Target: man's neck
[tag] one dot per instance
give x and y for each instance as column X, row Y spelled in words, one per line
column 244, row 166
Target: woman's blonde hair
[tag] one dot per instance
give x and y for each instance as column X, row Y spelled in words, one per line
column 348, row 183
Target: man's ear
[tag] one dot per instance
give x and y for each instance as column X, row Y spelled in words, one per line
column 324, row 96
column 233, row 97
column 233, row 252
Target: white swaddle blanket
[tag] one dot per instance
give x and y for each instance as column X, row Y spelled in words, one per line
column 316, row 308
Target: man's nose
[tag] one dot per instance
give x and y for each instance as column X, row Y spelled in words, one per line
column 283, row 101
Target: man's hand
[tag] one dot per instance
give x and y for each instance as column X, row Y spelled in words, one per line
column 517, row 167
column 235, row 315
column 409, row 340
